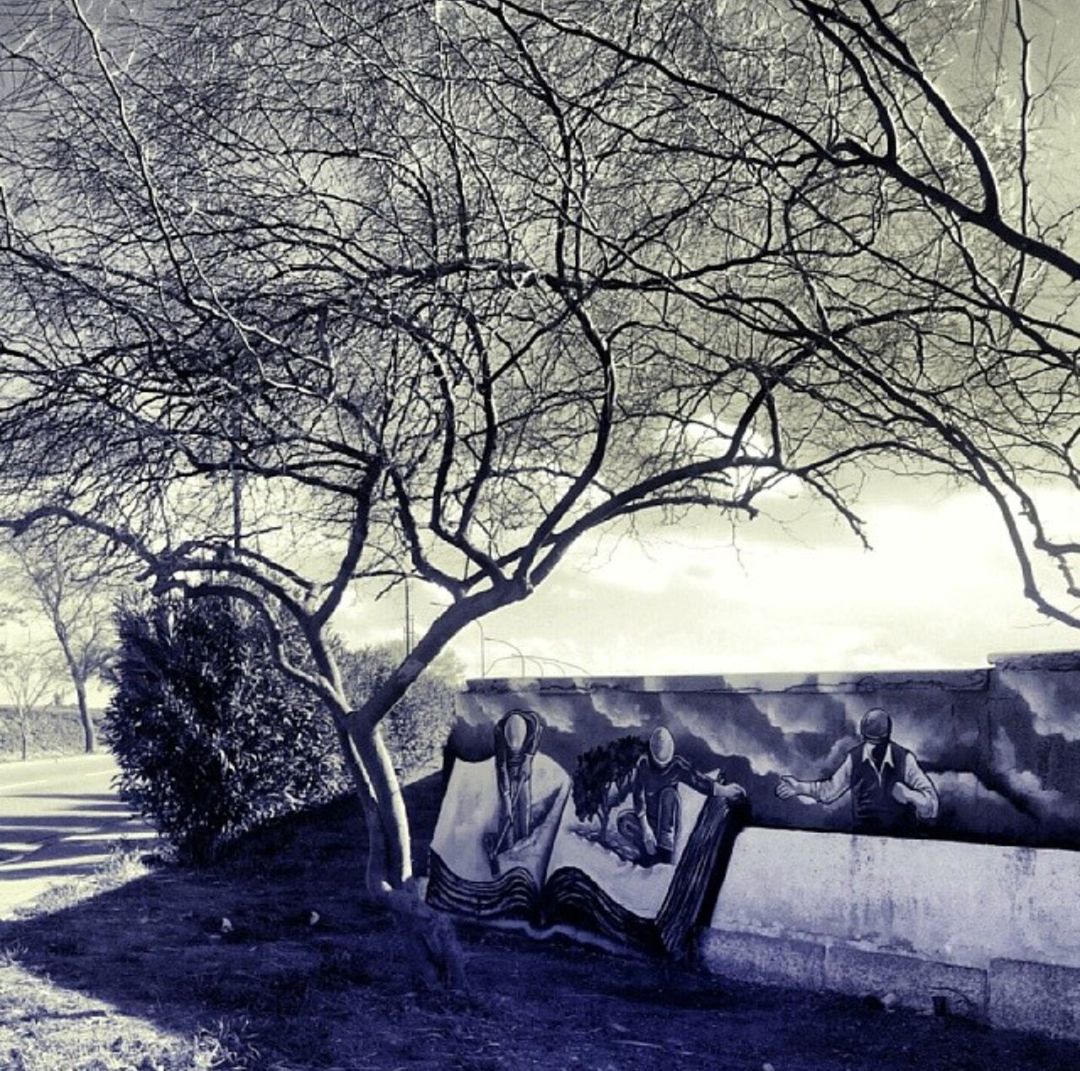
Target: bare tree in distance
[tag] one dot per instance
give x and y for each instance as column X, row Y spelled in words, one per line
column 75, row 583
column 28, row 673
column 309, row 301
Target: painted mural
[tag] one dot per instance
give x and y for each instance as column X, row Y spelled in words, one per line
column 889, row 792
column 612, row 804
column 623, row 841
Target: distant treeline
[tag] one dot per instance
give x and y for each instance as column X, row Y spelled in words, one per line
column 49, row 731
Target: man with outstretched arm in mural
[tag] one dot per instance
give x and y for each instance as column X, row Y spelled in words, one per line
column 517, row 736
column 890, row 793
column 652, row 827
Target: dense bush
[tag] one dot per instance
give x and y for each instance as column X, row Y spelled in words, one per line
column 212, row 739
column 419, row 725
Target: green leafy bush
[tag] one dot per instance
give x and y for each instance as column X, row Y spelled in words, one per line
column 211, row 737
column 418, row 727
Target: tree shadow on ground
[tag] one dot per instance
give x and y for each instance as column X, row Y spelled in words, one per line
column 278, row 938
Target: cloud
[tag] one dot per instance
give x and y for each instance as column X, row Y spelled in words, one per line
column 1052, row 698
column 1025, row 788
column 939, row 590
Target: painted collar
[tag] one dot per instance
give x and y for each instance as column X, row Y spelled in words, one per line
column 868, row 755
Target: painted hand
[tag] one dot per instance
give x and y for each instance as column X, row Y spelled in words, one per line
column 787, row 787
column 648, row 838
column 902, row 794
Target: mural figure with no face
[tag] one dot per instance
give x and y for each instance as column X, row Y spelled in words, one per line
column 890, row 793
column 652, row 827
column 517, row 738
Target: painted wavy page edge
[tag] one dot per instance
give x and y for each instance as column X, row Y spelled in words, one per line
column 571, row 898
column 700, row 873
column 512, row 895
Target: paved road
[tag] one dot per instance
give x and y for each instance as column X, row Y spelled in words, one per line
column 58, row 820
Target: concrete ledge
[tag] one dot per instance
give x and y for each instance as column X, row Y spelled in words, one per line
column 1039, row 997
column 935, row 900
column 916, row 982
column 750, row 957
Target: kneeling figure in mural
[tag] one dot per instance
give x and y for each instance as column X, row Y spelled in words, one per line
column 890, row 793
column 652, row 827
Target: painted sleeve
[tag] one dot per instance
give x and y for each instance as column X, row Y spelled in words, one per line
column 924, row 795
column 638, row 787
column 697, row 781
column 829, row 788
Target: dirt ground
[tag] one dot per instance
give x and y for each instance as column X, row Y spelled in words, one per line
column 272, row 961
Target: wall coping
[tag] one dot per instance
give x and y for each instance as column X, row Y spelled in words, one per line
column 956, row 680
column 1055, row 661
column 973, row 679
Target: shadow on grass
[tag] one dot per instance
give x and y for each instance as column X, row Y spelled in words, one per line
column 277, row 943
column 299, row 935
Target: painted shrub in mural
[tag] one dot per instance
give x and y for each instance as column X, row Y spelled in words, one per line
column 625, row 846
column 602, row 779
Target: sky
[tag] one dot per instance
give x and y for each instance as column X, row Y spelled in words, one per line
column 939, row 589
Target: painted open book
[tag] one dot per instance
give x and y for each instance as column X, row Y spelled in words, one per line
column 630, row 847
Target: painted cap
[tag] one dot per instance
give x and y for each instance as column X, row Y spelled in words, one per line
column 875, row 725
column 661, row 746
column 515, row 730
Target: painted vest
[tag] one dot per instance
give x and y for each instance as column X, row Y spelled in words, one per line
column 873, row 808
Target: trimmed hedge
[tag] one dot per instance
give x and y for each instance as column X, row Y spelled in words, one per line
column 51, row 731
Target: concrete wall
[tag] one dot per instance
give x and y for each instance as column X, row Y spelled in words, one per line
column 980, row 910
column 957, row 903
column 991, row 932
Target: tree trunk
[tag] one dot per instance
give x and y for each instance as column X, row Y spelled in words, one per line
column 84, row 713
column 389, row 853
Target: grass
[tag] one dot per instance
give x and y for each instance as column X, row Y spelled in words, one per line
column 274, row 961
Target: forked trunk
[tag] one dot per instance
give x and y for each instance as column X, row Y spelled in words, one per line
column 428, row 942
column 605, row 815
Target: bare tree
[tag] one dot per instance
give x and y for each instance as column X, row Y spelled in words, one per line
column 320, row 298
column 27, row 673
column 75, row 586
